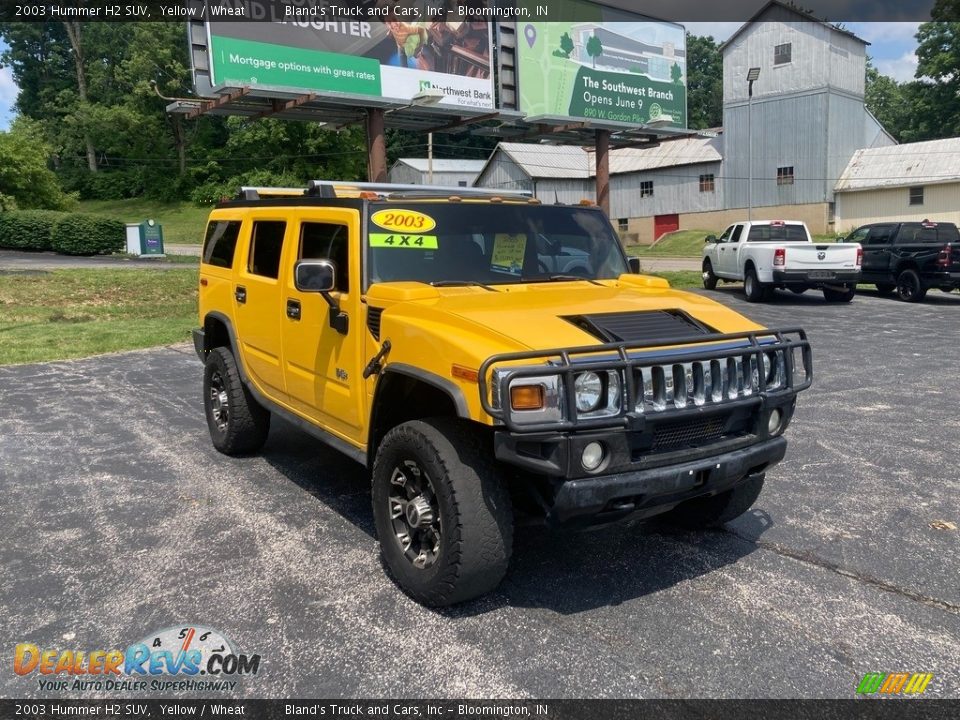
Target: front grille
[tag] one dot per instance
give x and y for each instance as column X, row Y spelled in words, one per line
column 688, row 433
column 373, row 321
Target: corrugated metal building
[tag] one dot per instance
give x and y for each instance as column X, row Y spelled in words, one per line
column 919, row 181
column 807, row 116
column 644, row 184
column 451, row 173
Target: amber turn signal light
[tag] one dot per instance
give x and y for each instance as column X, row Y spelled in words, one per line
column 526, row 397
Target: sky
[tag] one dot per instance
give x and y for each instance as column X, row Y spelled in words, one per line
column 892, row 47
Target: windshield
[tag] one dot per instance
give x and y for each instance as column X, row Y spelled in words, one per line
column 490, row 244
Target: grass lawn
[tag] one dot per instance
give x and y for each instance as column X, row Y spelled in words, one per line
column 76, row 313
column 680, row 279
column 686, row 243
column 183, row 222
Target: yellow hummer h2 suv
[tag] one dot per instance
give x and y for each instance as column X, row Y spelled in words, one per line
column 484, row 354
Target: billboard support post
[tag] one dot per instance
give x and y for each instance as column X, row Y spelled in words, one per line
column 376, row 146
column 602, row 158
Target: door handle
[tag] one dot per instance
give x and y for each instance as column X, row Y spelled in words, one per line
column 240, row 294
column 293, row 309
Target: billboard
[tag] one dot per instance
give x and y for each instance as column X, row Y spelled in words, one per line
column 394, row 58
column 608, row 65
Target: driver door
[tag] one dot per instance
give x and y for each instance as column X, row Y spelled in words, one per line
column 322, row 365
column 728, row 250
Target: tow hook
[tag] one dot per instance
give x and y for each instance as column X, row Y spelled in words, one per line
column 375, row 365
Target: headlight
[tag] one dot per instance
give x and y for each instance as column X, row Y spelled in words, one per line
column 589, row 389
column 773, row 369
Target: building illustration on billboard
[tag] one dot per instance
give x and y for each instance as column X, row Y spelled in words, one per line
column 393, row 59
column 616, row 68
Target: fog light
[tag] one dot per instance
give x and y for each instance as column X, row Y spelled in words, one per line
column 774, row 421
column 592, row 456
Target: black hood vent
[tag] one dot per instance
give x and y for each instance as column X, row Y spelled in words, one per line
column 645, row 326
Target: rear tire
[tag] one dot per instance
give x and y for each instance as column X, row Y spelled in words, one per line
column 442, row 511
column 238, row 423
column 909, row 286
column 755, row 290
column 709, row 279
column 713, row 511
column 885, row 289
column 840, row 296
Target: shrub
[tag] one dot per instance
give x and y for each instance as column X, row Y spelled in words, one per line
column 28, row 229
column 80, row 234
column 213, row 191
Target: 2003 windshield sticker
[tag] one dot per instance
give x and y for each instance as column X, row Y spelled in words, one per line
column 408, row 221
column 168, row 660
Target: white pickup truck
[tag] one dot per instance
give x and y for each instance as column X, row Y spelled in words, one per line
column 773, row 254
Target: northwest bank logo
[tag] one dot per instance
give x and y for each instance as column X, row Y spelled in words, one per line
column 894, row 683
column 183, row 652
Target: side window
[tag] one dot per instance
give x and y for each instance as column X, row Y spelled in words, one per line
column 266, row 243
column 725, row 235
column 737, row 231
column 221, row 242
column 880, row 235
column 327, row 241
column 858, row 236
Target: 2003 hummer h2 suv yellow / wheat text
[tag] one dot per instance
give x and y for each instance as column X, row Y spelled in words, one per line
column 484, row 354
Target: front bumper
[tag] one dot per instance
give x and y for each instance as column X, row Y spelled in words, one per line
column 646, row 493
column 816, row 277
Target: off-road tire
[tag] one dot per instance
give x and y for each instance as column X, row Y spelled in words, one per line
column 909, row 286
column 247, row 423
column 755, row 290
column 886, row 289
column 839, row 296
column 476, row 518
column 713, row 511
column 709, row 279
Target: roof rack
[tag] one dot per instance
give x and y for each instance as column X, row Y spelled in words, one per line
column 253, row 192
column 334, row 188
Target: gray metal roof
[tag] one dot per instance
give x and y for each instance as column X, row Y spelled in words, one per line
column 922, row 163
column 575, row 161
column 444, row 165
column 802, row 15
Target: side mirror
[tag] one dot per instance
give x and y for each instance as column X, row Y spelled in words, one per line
column 315, row 276
column 634, row 263
column 710, row 239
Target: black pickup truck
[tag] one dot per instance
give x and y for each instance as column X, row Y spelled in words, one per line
column 909, row 258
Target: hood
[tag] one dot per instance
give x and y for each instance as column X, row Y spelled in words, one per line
column 540, row 316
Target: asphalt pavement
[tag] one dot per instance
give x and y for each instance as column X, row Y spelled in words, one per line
column 118, row 518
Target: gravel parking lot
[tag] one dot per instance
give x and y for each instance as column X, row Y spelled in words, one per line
column 118, row 518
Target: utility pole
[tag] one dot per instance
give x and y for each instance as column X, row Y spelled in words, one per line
column 752, row 75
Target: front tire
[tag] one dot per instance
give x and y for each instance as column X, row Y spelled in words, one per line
column 713, row 511
column 755, row 290
column 840, row 296
column 442, row 511
column 709, row 279
column 238, row 423
column 909, row 286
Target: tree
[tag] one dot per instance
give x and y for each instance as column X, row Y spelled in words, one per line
column 566, row 45
column 938, row 57
column 594, row 48
column 24, row 175
column 884, row 97
column 676, row 74
column 704, row 82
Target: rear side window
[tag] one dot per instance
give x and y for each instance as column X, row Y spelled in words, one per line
column 777, row 233
column 266, row 243
column 221, row 242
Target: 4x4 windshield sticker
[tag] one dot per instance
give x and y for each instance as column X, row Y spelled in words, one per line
column 403, row 221
column 508, row 253
column 397, row 240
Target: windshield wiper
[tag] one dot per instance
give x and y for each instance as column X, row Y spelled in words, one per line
column 559, row 276
column 461, row 283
